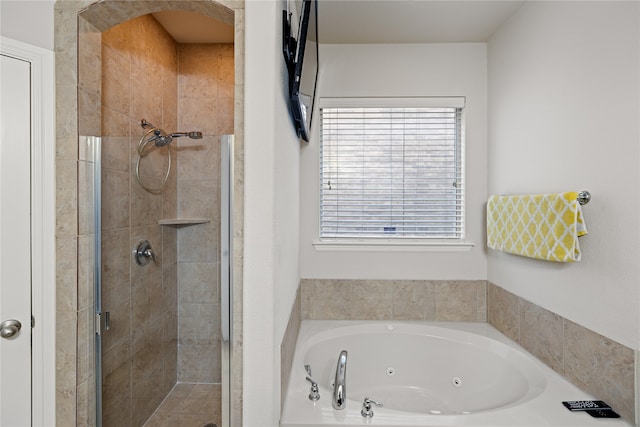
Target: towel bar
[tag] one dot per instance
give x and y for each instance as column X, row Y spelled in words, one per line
column 584, row 197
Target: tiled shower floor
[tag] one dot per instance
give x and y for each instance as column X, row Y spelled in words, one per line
column 189, row 405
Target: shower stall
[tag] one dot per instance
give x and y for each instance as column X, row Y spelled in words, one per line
column 161, row 221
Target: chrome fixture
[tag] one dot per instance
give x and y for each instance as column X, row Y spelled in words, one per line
column 143, row 253
column 314, row 394
column 339, row 400
column 367, row 409
column 159, row 138
column 10, row 328
column 584, row 197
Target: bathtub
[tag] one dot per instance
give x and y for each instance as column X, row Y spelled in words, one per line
column 427, row 374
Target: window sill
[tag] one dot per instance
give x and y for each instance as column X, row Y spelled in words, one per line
column 391, row 246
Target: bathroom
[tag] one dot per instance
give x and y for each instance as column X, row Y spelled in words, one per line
column 549, row 87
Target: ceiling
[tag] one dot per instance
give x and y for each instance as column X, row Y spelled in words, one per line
column 189, row 27
column 370, row 21
column 411, row 21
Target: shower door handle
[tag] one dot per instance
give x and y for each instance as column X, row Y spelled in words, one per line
column 226, row 235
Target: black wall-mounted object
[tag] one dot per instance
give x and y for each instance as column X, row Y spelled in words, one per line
column 302, row 58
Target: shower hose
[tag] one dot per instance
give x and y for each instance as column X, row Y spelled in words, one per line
column 143, row 150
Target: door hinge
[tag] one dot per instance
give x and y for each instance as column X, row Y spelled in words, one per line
column 33, row 322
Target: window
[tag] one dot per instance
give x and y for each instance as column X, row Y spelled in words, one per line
column 392, row 169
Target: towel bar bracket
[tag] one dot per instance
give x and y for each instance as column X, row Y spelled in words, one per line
column 584, row 197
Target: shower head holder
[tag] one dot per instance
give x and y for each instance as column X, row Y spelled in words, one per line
column 159, row 138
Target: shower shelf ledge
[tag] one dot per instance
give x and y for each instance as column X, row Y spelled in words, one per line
column 183, row 221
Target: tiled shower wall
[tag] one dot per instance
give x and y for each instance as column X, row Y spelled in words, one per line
column 205, row 104
column 139, row 69
column 77, row 35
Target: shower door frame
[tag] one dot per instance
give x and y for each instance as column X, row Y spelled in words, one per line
column 226, row 270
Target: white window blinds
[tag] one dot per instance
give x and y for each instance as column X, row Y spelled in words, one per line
column 391, row 172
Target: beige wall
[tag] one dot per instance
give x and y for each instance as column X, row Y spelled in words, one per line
column 205, row 104
column 139, row 80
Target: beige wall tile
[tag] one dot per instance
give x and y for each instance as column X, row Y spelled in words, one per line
column 115, row 199
column 198, row 114
column 66, row 350
column 66, row 119
column 326, row 299
column 600, row 366
column 66, row 406
column 169, row 245
column 66, row 46
column 146, row 208
column 196, row 79
column 114, row 123
column 371, row 300
column 86, row 264
column 503, row 312
column 117, row 302
column 197, row 237
column 409, row 299
column 199, row 324
column 594, row 363
column 288, row 347
column 199, row 199
column 115, row 258
column 66, row 197
column 84, row 354
column 89, row 122
column 400, row 300
column 541, row 334
column 198, row 363
column 115, row 153
column 86, row 207
column 198, row 283
column 89, row 57
column 116, row 81
column 86, row 404
column 66, row 274
column 199, row 158
column 456, row 301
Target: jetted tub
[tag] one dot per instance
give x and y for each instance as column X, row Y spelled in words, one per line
column 427, row 374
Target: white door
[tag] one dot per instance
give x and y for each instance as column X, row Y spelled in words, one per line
column 15, row 243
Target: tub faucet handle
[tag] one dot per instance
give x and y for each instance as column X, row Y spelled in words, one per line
column 314, row 394
column 367, row 409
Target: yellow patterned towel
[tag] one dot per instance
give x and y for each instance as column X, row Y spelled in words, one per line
column 543, row 226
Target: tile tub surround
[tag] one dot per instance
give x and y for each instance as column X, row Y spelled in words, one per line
column 288, row 347
column 440, row 300
column 322, row 299
column 594, row 363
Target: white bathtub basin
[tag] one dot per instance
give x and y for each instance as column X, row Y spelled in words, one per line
column 428, row 374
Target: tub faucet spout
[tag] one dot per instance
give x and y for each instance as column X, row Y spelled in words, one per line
column 339, row 400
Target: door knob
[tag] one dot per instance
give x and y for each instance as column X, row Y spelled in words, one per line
column 9, row 328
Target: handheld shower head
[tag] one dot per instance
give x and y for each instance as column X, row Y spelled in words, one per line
column 192, row 135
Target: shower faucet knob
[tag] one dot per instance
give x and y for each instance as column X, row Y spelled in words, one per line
column 143, row 253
